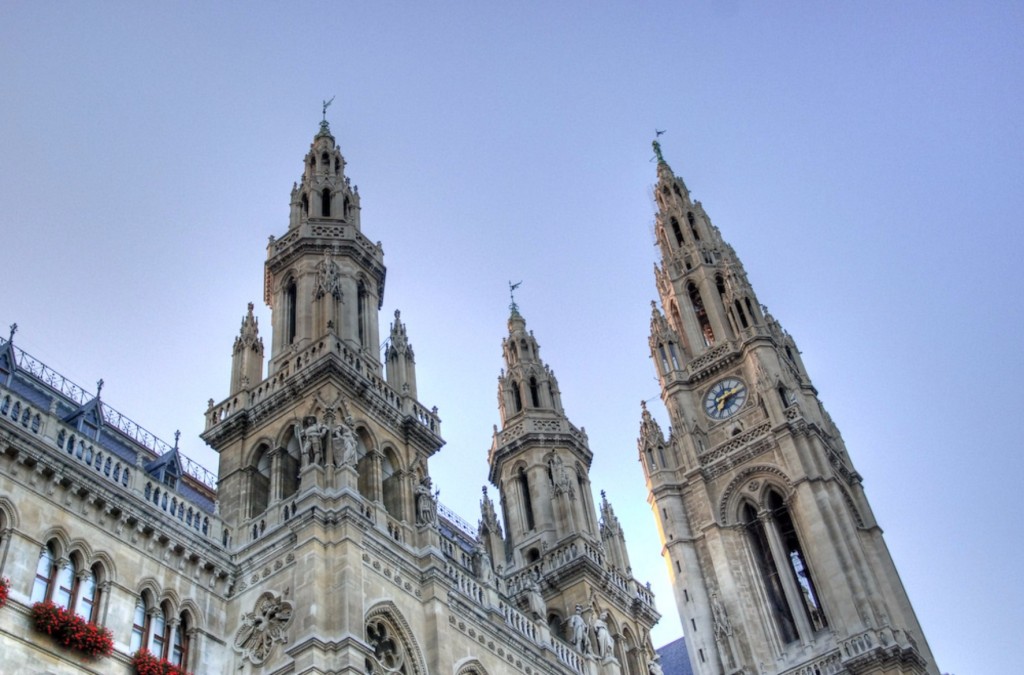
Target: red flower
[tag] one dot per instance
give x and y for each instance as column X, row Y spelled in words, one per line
column 72, row 631
column 145, row 663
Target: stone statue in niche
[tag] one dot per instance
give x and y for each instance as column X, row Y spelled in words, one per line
column 604, row 639
column 579, row 631
column 538, row 608
column 311, row 441
column 263, row 627
column 484, row 570
column 426, row 506
column 343, row 444
column 653, row 667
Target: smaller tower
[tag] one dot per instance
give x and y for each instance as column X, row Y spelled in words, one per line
column 401, row 362
column 539, row 460
column 560, row 561
column 614, row 538
column 247, row 355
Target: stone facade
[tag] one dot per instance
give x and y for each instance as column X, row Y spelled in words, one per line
column 319, row 546
column 777, row 563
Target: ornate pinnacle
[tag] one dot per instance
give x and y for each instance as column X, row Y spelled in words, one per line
column 14, row 329
column 99, row 387
column 177, row 435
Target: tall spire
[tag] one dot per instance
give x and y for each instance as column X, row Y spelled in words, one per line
column 247, row 354
column 773, row 554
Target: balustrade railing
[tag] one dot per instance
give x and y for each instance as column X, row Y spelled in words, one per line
column 116, row 420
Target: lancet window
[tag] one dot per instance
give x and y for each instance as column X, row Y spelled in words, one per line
column 783, row 568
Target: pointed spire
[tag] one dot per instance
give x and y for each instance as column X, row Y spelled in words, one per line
column 249, row 334
column 400, row 359
column 247, row 354
column 650, row 430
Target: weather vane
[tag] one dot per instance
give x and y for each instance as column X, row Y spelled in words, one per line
column 512, row 295
column 327, row 104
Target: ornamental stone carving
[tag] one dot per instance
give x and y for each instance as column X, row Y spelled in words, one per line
column 263, row 628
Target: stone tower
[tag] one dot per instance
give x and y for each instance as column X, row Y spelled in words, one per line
column 776, row 560
column 562, row 564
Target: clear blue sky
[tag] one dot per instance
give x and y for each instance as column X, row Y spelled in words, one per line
column 864, row 159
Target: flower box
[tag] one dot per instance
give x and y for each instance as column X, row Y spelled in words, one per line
column 145, row 663
column 72, row 631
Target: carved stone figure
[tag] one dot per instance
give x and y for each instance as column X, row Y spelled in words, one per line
column 604, row 639
column 580, row 631
column 722, row 625
column 483, row 564
column 344, row 444
column 263, row 627
column 653, row 667
column 312, row 442
column 426, row 507
column 538, row 608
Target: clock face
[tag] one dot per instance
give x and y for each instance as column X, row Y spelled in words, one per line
column 725, row 398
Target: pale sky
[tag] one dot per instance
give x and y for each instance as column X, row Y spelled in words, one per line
column 864, row 159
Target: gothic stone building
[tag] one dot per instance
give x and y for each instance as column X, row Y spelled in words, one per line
column 777, row 563
column 320, row 547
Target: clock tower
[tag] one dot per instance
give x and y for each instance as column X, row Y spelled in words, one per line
column 776, row 560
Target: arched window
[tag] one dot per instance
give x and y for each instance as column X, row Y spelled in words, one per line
column 64, row 587
column 534, row 393
column 391, row 485
column 179, row 641
column 783, row 569
column 305, row 204
column 139, row 623
column 259, row 488
column 676, row 231
column 45, row 569
column 524, row 492
column 87, row 594
column 693, row 226
column 702, row 315
column 741, row 314
column 361, row 312
column 157, row 642
column 517, row 399
column 325, row 203
column 290, row 298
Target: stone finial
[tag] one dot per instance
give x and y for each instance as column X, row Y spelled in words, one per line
column 177, row 435
column 14, row 329
column 99, row 387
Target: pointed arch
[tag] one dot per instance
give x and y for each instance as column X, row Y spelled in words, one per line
column 9, row 518
column 470, row 666
column 762, row 477
column 384, row 626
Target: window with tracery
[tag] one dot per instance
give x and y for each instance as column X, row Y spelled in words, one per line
column 783, row 568
column 390, row 656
